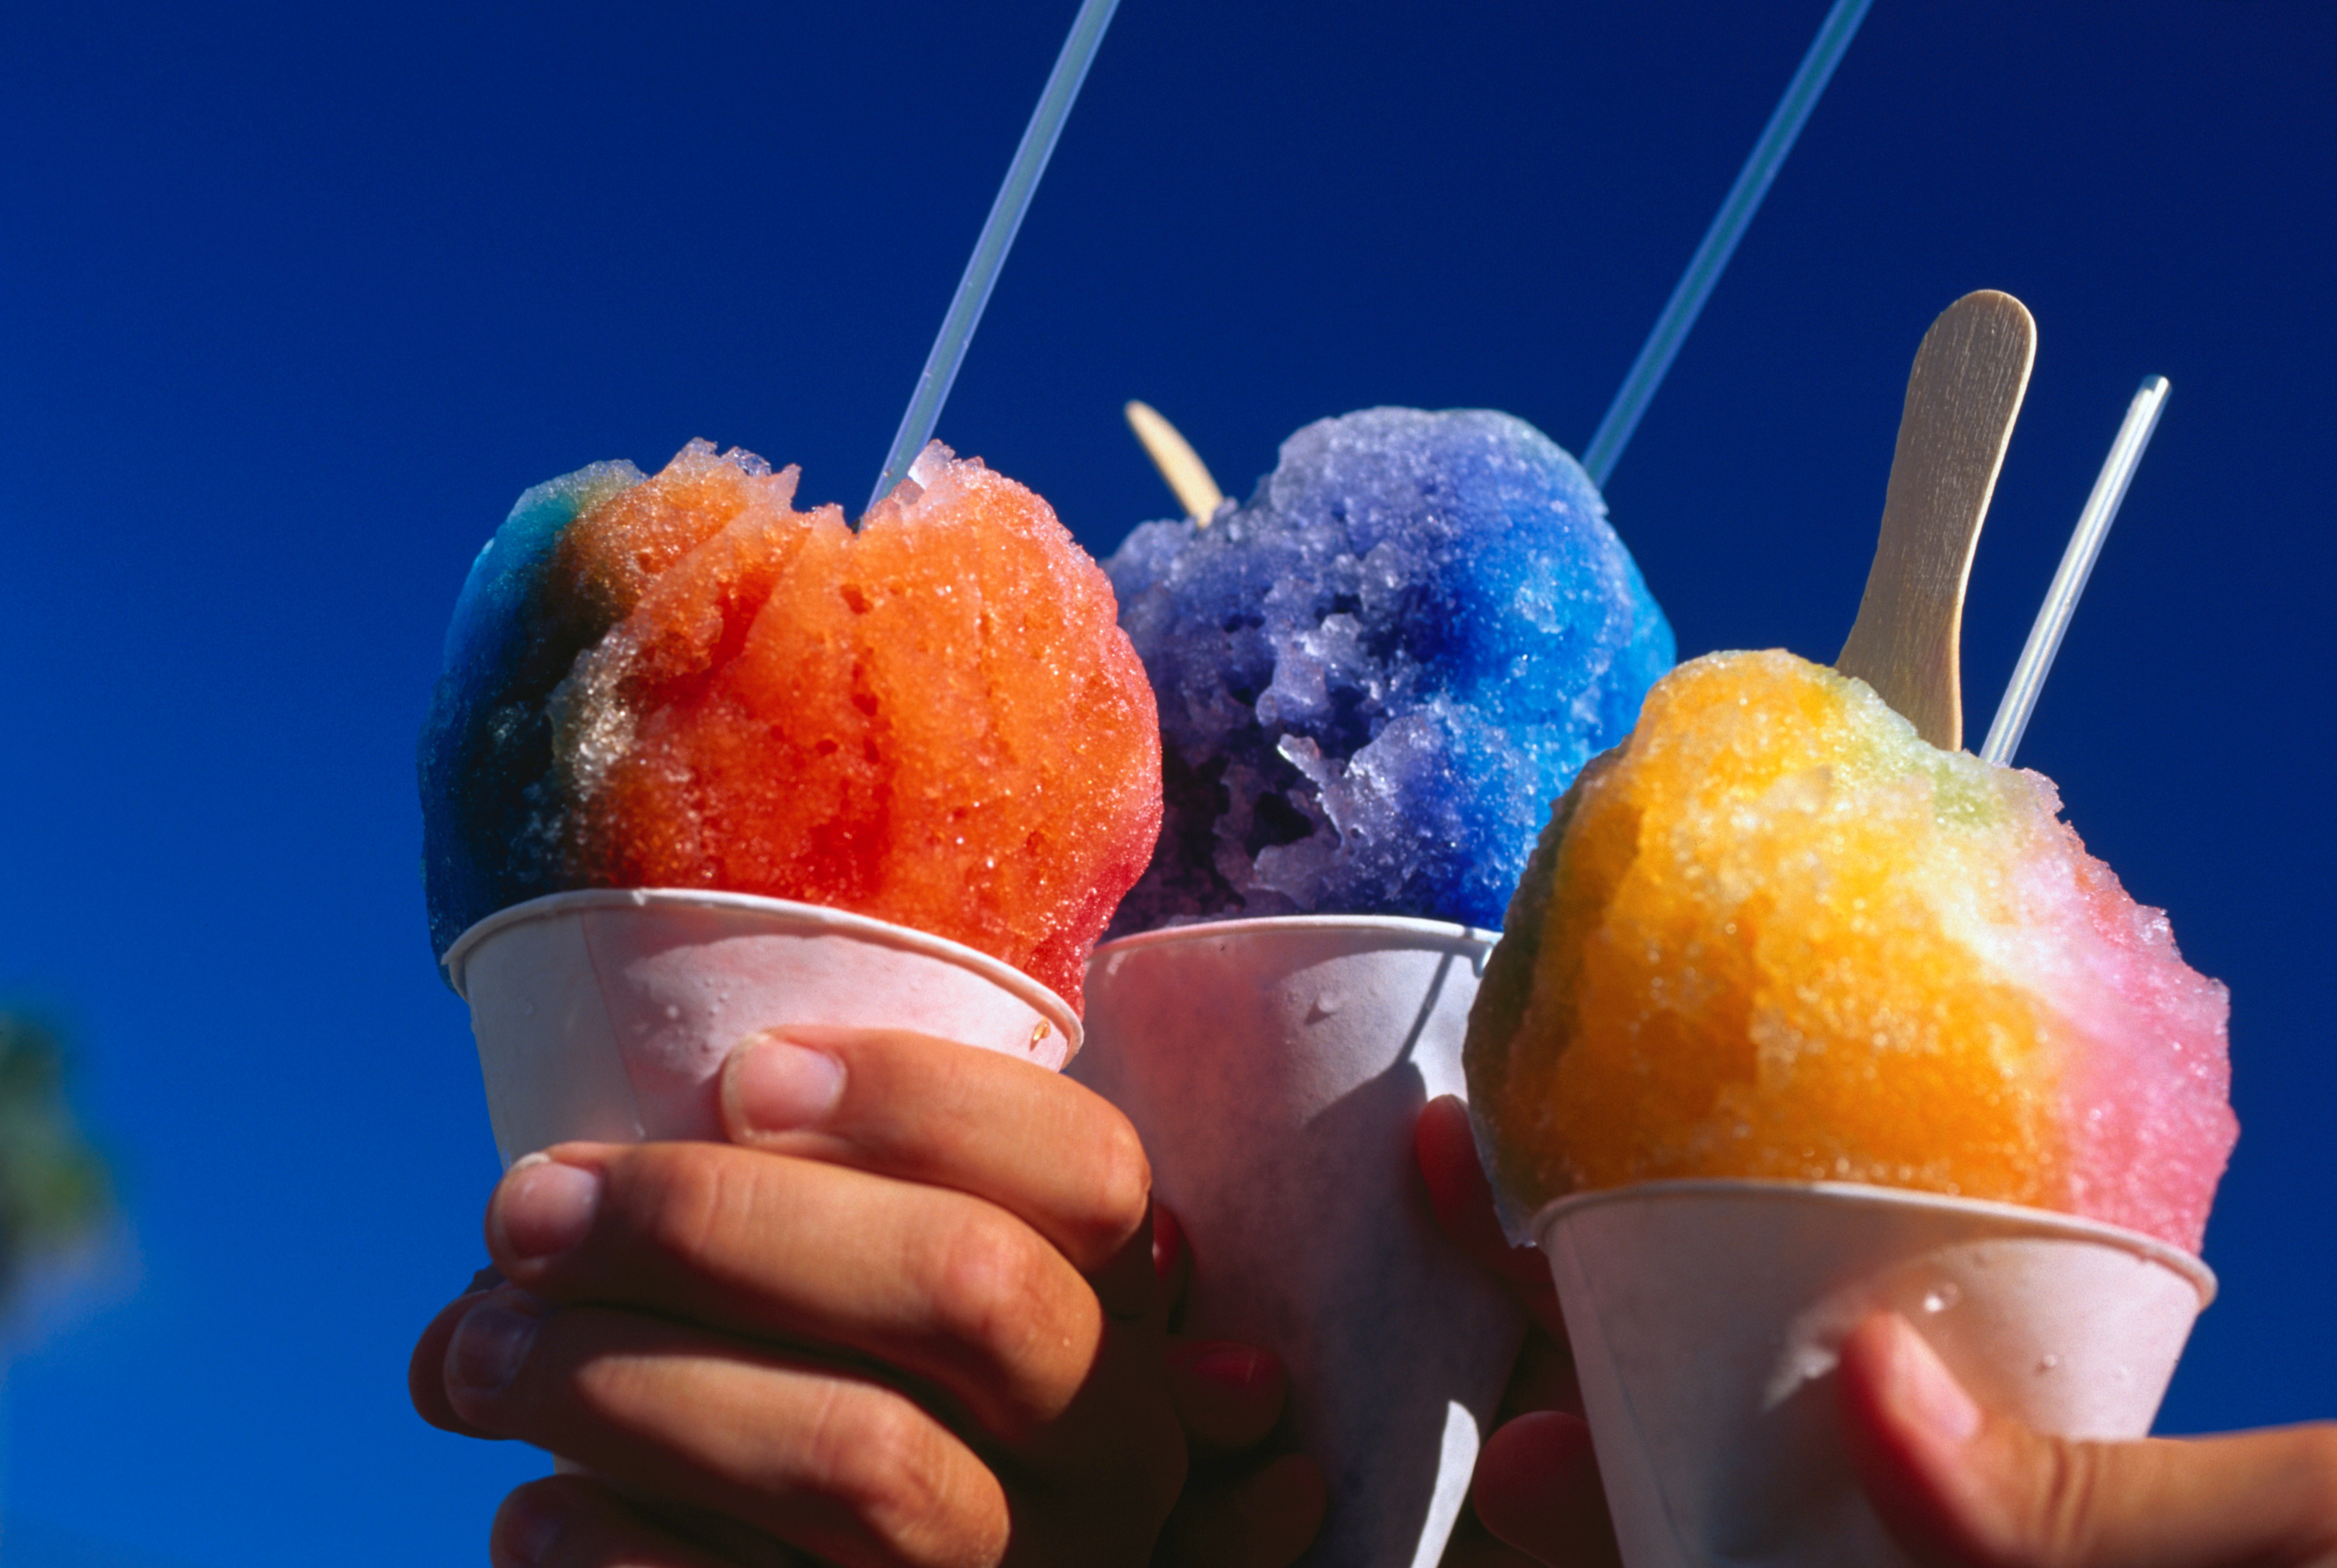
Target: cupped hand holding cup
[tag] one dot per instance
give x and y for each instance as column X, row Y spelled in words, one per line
column 913, row 1311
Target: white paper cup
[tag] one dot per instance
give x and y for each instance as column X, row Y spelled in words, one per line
column 1275, row 1070
column 607, row 1015
column 1706, row 1319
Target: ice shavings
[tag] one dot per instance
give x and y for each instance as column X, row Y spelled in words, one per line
column 1375, row 676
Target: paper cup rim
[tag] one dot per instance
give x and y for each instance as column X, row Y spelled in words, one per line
column 1862, row 1195
column 1262, row 925
column 1040, row 998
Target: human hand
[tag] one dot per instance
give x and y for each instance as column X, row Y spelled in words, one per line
column 1536, row 1497
column 911, row 1314
column 1959, row 1488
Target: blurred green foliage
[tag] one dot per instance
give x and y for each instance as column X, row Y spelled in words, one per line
column 53, row 1189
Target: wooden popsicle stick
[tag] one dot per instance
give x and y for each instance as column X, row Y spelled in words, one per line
column 1178, row 463
column 1963, row 397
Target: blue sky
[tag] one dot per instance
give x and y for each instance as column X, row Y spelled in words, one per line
column 295, row 300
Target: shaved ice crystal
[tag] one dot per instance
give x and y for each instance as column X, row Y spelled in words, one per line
column 1375, row 676
column 682, row 682
column 1777, row 935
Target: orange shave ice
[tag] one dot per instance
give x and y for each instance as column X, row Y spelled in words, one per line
column 1777, row 935
column 682, row 682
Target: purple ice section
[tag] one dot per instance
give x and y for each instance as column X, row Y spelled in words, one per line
column 1375, row 676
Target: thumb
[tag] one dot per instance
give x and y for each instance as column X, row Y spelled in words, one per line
column 1962, row 1489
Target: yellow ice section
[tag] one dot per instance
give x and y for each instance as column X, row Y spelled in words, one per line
column 1768, row 938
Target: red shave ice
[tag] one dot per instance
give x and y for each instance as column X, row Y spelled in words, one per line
column 934, row 721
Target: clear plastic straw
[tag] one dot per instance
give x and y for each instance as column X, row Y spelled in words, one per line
column 2077, row 565
column 998, row 233
column 1704, row 269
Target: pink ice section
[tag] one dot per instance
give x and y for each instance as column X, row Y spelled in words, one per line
column 2146, row 1081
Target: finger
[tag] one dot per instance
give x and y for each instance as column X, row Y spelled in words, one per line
column 1958, row 1487
column 1462, row 1198
column 1172, row 1268
column 1543, row 1379
column 568, row 1521
column 1128, row 1286
column 1537, row 1488
column 425, row 1375
column 1262, row 1519
column 1043, row 1147
column 817, row 1455
column 1544, row 1376
column 942, row 1286
column 1227, row 1396
column 1473, row 1545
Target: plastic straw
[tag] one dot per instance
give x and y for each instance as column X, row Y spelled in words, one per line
column 2077, row 565
column 925, row 409
column 1704, row 269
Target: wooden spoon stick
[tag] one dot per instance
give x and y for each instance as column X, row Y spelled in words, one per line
column 1178, row 463
column 1963, row 397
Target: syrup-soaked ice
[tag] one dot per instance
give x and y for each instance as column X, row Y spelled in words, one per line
column 1777, row 935
column 1374, row 676
column 535, row 599
column 684, row 683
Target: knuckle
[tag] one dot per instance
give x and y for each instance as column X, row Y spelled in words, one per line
column 992, row 1289
column 887, row 1464
column 877, row 1457
column 2062, row 1519
column 1119, row 1183
column 683, row 1199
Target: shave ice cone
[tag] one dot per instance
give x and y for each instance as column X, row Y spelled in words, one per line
column 607, row 1015
column 1800, row 1018
column 1371, row 676
column 1803, row 1014
column 1707, row 1320
column 1275, row 1070
column 700, row 763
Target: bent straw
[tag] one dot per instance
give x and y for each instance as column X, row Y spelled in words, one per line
column 998, row 233
column 1704, row 269
column 2077, row 565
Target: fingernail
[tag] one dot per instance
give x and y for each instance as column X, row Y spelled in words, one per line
column 492, row 1342
column 547, row 1208
column 1231, row 1366
column 778, row 1085
column 524, row 1532
column 1923, row 1387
